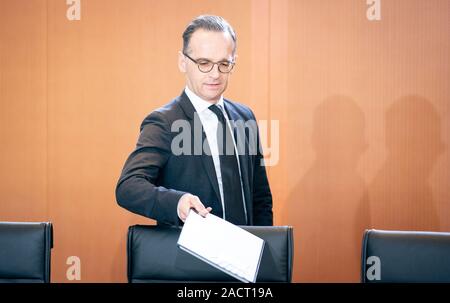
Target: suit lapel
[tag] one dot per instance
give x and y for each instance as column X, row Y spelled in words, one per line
column 239, row 136
column 206, row 158
column 208, row 164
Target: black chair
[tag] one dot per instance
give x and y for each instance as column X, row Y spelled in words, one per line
column 405, row 256
column 153, row 256
column 25, row 252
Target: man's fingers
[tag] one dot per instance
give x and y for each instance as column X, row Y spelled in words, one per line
column 190, row 201
column 200, row 208
column 205, row 211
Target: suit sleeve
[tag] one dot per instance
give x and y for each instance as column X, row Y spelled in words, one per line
column 137, row 189
column 262, row 196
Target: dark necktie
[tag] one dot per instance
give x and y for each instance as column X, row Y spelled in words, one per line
column 231, row 181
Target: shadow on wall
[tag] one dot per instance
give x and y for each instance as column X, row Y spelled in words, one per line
column 329, row 207
column 400, row 194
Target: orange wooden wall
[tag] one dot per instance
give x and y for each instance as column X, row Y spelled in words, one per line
column 363, row 109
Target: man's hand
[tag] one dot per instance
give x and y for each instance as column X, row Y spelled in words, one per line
column 188, row 201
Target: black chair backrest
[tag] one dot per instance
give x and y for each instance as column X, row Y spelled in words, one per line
column 153, row 256
column 25, row 252
column 405, row 256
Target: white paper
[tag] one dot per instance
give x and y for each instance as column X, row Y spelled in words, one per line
column 222, row 244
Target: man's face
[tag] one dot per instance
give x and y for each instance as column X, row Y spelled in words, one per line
column 212, row 46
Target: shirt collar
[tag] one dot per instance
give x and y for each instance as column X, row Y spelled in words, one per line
column 199, row 104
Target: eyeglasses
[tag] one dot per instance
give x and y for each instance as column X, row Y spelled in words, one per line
column 205, row 66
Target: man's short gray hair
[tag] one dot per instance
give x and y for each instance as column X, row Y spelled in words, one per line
column 208, row 23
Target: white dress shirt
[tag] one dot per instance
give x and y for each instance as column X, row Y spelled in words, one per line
column 209, row 122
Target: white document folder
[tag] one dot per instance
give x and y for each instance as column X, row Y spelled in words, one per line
column 223, row 245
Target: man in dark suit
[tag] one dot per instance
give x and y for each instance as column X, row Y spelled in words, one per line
column 214, row 164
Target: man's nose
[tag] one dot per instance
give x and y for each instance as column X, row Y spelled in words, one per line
column 215, row 73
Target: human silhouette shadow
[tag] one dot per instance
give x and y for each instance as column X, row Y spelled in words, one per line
column 400, row 194
column 329, row 207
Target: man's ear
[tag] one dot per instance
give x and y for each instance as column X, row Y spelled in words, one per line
column 234, row 60
column 181, row 62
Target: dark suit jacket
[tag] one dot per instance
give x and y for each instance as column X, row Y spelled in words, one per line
column 153, row 178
